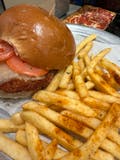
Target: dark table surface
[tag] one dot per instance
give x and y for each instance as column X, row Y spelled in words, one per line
column 114, row 26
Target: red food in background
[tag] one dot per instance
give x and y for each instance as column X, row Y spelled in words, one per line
column 91, row 16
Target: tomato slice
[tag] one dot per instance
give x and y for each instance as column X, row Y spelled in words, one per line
column 17, row 65
column 6, row 51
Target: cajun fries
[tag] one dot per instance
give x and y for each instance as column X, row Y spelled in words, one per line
column 13, row 149
column 78, row 113
column 35, row 147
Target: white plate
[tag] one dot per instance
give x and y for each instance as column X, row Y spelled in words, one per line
column 104, row 40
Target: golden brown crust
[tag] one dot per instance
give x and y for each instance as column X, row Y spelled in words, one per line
column 40, row 39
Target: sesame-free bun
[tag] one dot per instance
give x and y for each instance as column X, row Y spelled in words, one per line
column 38, row 37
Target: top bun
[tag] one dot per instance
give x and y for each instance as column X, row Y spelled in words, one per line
column 39, row 38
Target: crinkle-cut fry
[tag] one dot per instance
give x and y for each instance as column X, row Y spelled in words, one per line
column 89, row 85
column 85, row 41
column 66, row 77
column 7, row 126
column 68, row 93
column 65, row 102
column 80, row 86
column 34, row 144
column 101, row 84
column 103, row 97
column 96, row 103
column 58, row 119
column 21, row 139
column 85, row 50
column 50, row 150
column 98, row 57
column 93, row 123
column 88, row 149
column 16, row 119
column 13, row 149
column 54, row 84
column 48, row 128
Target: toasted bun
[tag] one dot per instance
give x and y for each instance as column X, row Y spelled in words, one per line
column 39, row 38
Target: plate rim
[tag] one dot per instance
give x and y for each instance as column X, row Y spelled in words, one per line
column 102, row 35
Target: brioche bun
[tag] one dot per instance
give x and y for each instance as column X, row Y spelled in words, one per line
column 38, row 38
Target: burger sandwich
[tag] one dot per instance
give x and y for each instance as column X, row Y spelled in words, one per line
column 34, row 45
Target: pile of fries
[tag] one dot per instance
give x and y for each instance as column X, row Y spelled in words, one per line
column 79, row 112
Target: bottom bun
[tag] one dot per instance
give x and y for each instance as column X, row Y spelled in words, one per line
column 18, row 88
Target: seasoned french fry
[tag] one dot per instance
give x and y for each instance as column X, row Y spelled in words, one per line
column 84, row 42
column 60, row 120
column 96, row 103
column 85, row 50
column 66, row 77
column 34, row 143
column 84, row 74
column 112, row 79
column 110, row 66
column 103, row 97
column 93, row 123
column 111, row 147
column 80, row 86
column 109, row 75
column 100, row 113
column 102, row 155
column 89, row 85
column 98, row 57
column 65, row 102
column 56, row 108
column 49, row 129
column 7, row 126
column 55, row 81
column 13, row 149
column 117, row 123
column 76, row 69
column 87, row 59
column 101, row 84
column 68, row 93
column 81, row 64
column 87, row 150
column 70, row 86
column 50, row 150
column 21, row 138
column 16, row 118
